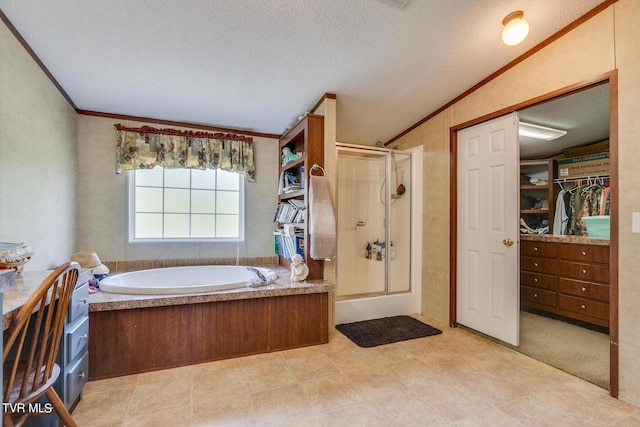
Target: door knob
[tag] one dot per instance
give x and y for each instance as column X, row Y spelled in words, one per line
column 507, row 242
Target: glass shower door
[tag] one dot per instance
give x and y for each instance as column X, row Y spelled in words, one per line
column 374, row 223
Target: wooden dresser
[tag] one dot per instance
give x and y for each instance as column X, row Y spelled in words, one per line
column 568, row 279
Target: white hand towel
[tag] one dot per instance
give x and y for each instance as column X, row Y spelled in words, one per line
column 322, row 222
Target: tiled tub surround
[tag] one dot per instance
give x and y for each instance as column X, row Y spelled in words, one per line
column 140, row 333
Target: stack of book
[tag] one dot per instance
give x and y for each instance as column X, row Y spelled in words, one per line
column 288, row 245
column 292, row 212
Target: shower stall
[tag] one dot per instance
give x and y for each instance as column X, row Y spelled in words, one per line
column 378, row 204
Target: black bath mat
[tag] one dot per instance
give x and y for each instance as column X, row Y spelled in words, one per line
column 371, row 333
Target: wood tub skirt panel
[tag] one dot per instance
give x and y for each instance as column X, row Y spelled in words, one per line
column 130, row 341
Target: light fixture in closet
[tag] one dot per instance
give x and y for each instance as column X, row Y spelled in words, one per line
column 539, row 132
column 515, row 28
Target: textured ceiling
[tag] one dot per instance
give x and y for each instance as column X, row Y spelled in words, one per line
column 258, row 64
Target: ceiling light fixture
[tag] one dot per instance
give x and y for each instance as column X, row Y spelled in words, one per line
column 539, row 132
column 515, row 28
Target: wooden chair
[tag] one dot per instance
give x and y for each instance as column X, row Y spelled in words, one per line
column 31, row 346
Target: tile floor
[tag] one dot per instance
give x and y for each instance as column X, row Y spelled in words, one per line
column 453, row 379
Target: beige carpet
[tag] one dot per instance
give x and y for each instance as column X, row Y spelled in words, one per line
column 573, row 349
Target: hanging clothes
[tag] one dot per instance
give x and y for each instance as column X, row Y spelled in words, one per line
column 561, row 219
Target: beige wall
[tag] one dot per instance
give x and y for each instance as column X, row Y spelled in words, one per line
column 605, row 42
column 102, row 201
column 37, row 159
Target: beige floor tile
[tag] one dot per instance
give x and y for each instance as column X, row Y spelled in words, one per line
column 633, row 421
column 392, row 353
column 445, row 364
column 208, row 368
column 119, row 383
column 225, row 411
column 413, row 372
column 530, row 412
column 311, row 366
column 353, row 359
column 221, row 384
column 490, row 418
column 259, row 359
column 286, row 404
column 332, row 392
column 407, row 409
column 376, row 381
column 165, row 376
column 268, row 375
column 362, row 414
column 452, row 399
column 492, row 389
column 98, row 409
column 153, row 397
column 168, row 418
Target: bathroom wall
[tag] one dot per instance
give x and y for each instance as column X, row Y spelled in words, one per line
column 604, row 43
column 37, row 159
column 102, row 201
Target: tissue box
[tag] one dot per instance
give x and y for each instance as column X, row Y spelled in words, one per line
column 598, row 227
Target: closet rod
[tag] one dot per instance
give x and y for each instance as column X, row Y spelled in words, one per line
column 579, row 178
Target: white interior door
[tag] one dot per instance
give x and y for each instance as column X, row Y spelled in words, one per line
column 488, row 288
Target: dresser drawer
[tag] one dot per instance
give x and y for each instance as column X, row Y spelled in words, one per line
column 584, row 253
column 537, row 280
column 539, row 265
column 599, row 310
column 77, row 338
column 584, row 289
column 590, row 272
column 538, row 249
column 76, row 377
column 79, row 304
column 537, row 296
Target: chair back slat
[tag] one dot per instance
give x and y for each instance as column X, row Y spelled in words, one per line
column 32, row 342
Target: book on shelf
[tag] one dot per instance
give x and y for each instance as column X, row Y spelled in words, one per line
column 288, row 212
column 287, row 246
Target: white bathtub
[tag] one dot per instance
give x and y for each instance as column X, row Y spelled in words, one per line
column 182, row 280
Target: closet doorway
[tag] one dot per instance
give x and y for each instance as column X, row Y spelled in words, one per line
column 589, row 94
column 565, row 313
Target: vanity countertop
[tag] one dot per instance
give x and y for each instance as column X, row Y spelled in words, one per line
column 582, row 240
column 24, row 285
column 105, row 301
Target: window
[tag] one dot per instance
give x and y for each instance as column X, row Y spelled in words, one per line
column 186, row 204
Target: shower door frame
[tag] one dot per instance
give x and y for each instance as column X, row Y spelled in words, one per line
column 373, row 305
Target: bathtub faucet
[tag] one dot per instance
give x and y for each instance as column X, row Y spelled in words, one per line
column 261, row 279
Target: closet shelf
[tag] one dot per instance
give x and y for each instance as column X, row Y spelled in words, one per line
column 535, row 211
column 580, row 178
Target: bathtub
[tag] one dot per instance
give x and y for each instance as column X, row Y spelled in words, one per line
column 182, row 280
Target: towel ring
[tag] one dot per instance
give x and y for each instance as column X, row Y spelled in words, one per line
column 316, row 167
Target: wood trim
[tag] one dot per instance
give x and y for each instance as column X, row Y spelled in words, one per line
column 614, row 235
column 175, row 123
column 610, row 77
column 321, row 100
column 584, row 18
column 453, row 227
column 35, row 57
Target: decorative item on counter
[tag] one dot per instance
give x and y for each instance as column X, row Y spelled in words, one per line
column 94, row 285
column 299, row 270
column 13, row 256
column 89, row 259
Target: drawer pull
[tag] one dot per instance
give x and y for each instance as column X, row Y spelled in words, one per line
column 85, row 337
column 82, row 374
column 535, row 249
column 535, row 264
column 84, row 301
column 584, row 289
column 535, row 295
column 535, row 279
column 584, row 271
column 583, row 306
column 584, row 253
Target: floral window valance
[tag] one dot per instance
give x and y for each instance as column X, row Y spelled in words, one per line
column 146, row 147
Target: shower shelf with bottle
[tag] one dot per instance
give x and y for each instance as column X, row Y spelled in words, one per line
column 301, row 147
